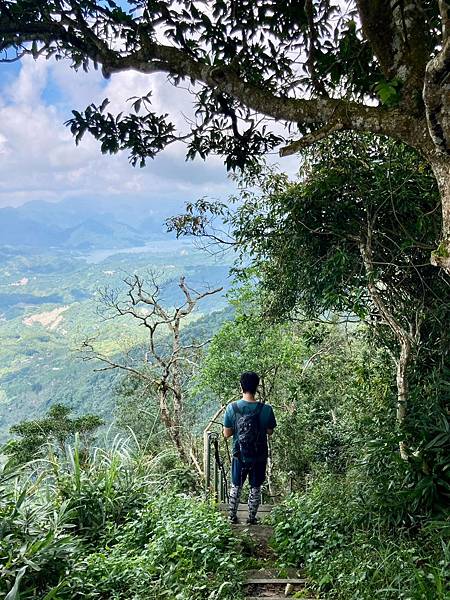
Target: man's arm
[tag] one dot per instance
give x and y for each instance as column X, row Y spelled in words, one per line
column 227, row 432
column 228, row 423
column 271, row 422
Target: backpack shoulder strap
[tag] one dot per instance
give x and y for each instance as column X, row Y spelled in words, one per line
column 235, row 408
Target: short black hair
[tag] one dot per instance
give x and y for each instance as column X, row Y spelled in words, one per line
column 249, row 382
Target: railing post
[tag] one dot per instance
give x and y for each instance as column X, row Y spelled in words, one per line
column 216, row 480
column 207, row 460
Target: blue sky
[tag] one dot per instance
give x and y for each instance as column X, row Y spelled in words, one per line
column 38, row 156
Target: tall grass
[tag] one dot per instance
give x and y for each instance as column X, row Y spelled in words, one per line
column 52, row 508
column 110, row 525
column 110, row 487
column 36, row 545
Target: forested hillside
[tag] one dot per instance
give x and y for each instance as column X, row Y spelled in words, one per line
column 50, row 302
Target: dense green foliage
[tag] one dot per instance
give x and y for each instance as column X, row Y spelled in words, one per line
column 177, row 545
column 340, row 537
column 116, row 528
column 307, row 237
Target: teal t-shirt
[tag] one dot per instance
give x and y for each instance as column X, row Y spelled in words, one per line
column 266, row 417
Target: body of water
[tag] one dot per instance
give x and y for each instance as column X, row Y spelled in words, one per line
column 155, row 247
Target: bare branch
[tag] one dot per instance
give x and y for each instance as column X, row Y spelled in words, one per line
column 166, row 365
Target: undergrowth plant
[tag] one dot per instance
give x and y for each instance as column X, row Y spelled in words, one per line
column 37, row 547
column 113, row 526
column 352, row 552
column 178, row 547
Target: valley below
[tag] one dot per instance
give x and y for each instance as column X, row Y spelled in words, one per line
column 50, row 303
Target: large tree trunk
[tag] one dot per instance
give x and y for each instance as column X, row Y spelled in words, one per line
column 441, row 170
column 173, row 427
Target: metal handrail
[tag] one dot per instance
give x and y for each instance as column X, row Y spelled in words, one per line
column 216, row 464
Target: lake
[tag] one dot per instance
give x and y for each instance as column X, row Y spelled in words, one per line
column 154, row 247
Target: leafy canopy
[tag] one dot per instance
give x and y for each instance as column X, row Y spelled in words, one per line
column 240, row 59
column 308, row 239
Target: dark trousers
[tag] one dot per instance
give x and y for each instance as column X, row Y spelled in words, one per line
column 256, row 473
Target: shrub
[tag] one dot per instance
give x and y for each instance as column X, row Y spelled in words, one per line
column 178, row 547
column 352, row 553
column 36, row 547
column 110, row 528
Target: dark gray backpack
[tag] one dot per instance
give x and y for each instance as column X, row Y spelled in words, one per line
column 251, row 441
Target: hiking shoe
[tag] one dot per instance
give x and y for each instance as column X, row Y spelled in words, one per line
column 232, row 519
column 252, row 521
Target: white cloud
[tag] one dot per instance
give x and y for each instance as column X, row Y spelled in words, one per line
column 77, row 89
column 41, row 161
column 2, row 144
column 29, row 85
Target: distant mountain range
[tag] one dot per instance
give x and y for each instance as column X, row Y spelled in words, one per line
column 82, row 224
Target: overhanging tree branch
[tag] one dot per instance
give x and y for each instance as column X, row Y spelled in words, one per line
column 379, row 52
column 353, row 115
column 154, row 57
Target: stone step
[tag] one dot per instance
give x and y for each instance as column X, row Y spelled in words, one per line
column 264, row 509
column 253, row 529
column 261, row 534
column 272, row 573
column 270, row 587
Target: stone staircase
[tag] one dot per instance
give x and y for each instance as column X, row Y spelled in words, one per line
column 266, row 583
column 269, row 583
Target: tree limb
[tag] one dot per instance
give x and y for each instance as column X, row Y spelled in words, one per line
column 311, row 138
column 153, row 57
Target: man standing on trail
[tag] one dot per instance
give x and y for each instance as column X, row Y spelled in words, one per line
column 249, row 422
